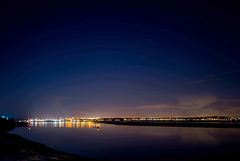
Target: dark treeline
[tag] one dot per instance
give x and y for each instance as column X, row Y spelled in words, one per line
column 6, row 125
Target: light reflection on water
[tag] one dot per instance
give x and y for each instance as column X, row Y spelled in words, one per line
column 118, row 142
column 67, row 124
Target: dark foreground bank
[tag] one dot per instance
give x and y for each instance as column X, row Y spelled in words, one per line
column 14, row 147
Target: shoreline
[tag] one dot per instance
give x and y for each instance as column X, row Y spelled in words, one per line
column 176, row 124
column 18, row 148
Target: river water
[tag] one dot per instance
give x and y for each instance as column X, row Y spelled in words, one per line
column 120, row 142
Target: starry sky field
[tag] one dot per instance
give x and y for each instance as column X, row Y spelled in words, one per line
column 129, row 58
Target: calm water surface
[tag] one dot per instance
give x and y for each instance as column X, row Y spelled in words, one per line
column 119, row 142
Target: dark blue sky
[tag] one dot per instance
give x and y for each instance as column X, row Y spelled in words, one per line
column 119, row 58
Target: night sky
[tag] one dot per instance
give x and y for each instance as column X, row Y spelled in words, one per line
column 63, row 58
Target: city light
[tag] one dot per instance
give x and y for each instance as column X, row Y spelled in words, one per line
column 122, row 119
